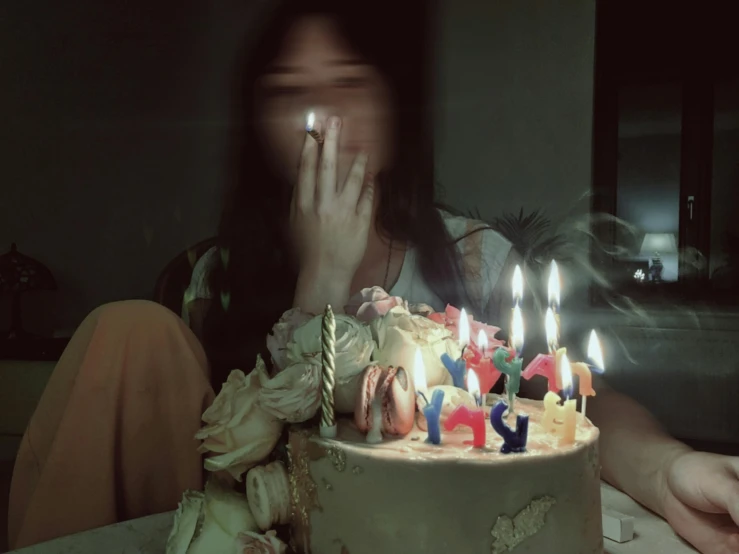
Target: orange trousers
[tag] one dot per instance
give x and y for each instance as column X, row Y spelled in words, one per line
column 112, row 436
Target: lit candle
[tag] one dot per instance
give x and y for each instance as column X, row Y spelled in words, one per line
column 517, row 286
column 561, row 419
column 513, row 440
column 484, row 366
column 473, row 418
column 431, row 410
column 511, row 368
column 482, row 342
column 549, row 366
column 473, row 387
column 310, row 122
column 464, row 329
column 477, row 357
column 545, row 364
column 432, row 413
column 458, row 368
column 517, row 331
column 595, row 355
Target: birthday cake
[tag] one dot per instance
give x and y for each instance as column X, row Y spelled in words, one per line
column 405, row 495
column 341, row 449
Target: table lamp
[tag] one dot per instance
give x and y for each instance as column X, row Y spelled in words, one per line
column 19, row 274
column 654, row 245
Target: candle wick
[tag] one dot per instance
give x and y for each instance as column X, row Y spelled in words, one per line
column 423, row 396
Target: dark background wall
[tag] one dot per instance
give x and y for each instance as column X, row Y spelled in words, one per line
column 115, row 120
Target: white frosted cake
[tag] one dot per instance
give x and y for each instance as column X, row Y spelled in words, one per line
column 406, row 495
column 367, row 435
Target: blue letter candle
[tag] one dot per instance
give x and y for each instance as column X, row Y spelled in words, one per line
column 513, row 441
column 457, row 368
column 432, row 413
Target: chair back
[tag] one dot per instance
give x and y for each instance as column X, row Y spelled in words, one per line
column 174, row 279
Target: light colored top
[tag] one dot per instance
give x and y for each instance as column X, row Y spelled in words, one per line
column 484, row 253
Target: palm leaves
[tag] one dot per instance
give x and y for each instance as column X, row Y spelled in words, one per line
column 531, row 235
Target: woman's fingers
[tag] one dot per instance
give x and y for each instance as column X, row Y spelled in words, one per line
column 367, row 199
column 305, row 189
column 709, row 533
column 354, row 181
column 326, row 187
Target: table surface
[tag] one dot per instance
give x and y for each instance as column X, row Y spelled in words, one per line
column 148, row 535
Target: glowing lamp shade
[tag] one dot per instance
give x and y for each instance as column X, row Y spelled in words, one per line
column 658, row 243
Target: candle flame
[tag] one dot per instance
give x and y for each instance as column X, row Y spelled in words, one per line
column 595, row 354
column 566, row 373
column 464, row 329
column 552, row 332
column 517, row 285
column 473, row 384
column 310, row 121
column 419, row 373
column 482, row 341
column 517, row 329
column 553, row 288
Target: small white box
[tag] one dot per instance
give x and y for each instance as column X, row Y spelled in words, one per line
column 617, row 526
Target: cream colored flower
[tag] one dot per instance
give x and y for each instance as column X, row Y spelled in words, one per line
column 210, row 522
column 294, row 394
column 399, row 333
column 282, row 333
column 238, row 429
column 354, row 347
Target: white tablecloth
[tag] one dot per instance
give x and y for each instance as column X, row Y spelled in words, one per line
column 148, row 535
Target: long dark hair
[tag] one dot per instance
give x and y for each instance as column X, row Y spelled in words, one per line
column 254, row 281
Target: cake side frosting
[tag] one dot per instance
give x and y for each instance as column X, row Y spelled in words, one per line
column 404, row 495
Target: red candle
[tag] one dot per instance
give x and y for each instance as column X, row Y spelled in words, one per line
column 483, row 366
column 545, row 365
column 549, row 365
column 475, row 419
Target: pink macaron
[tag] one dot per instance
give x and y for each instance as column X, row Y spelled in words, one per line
column 372, row 378
column 398, row 402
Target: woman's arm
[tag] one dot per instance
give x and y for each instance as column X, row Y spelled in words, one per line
column 635, row 450
column 316, row 288
column 329, row 224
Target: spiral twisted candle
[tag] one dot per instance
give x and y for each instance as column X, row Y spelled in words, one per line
column 328, row 371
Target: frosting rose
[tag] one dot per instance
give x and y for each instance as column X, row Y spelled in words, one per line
column 210, row 522
column 371, row 303
column 238, row 429
column 450, row 319
column 294, row 394
column 398, row 333
column 254, row 543
column 354, row 347
column 282, row 333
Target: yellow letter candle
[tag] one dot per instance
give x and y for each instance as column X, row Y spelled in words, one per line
column 561, row 419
